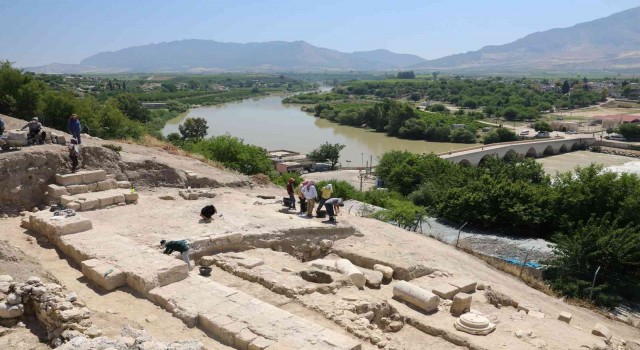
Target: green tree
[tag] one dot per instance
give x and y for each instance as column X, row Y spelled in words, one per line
column 415, row 96
column 406, row 75
column 131, row 107
column 234, row 154
column 327, row 152
column 463, row 136
column 542, row 126
column 58, row 107
column 566, row 87
column 500, row 135
column 193, row 129
column 510, row 113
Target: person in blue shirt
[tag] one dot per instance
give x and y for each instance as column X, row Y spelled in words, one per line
column 1, row 127
column 73, row 126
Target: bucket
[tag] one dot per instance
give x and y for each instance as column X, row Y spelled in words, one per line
column 205, row 270
column 321, row 214
column 286, row 202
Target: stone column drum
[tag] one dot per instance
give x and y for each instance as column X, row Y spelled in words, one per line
column 346, row 267
column 416, row 296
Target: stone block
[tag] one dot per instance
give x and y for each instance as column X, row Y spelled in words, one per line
column 387, row 272
column 11, row 311
column 131, row 197
column 260, row 343
column 339, row 341
column 124, row 184
column 69, row 179
column 355, row 275
column 56, row 191
column 104, row 185
column 374, row 278
column 244, row 338
column 565, row 317
column 191, row 175
column 73, row 205
column 235, row 237
column 444, row 290
column 119, row 198
column 61, row 140
column 214, row 324
column 77, row 189
column 536, row 314
column 55, row 226
column 93, row 176
column 207, row 260
column 171, row 271
column 416, row 296
column 92, row 187
column 461, row 304
column 90, row 204
column 464, row 285
column 106, row 201
column 324, row 264
column 601, row 330
column 250, row 262
column 66, row 199
column 103, row 274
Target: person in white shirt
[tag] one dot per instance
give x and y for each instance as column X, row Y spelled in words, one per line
column 310, row 194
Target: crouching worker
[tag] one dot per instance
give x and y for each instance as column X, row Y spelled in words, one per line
column 207, row 212
column 178, row 246
column 333, row 207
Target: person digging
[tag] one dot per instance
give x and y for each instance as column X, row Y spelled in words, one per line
column 178, row 246
column 333, row 208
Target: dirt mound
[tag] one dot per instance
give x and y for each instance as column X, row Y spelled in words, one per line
column 15, row 263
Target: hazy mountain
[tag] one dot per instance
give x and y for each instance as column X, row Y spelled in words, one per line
column 607, row 43
column 209, row 55
column 389, row 58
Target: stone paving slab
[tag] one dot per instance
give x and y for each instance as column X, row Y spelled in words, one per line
column 81, row 177
column 242, row 321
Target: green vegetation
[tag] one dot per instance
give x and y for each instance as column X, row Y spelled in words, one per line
column 115, row 148
column 233, row 153
column 500, row 135
column 518, row 197
column 327, row 152
column 193, row 129
column 629, row 130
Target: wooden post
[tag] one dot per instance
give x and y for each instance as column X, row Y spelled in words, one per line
column 460, row 229
column 594, row 282
column 525, row 262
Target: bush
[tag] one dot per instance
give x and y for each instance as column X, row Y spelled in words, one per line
column 234, row 154
column 500, row 135
column 341, row 189
column 283, row 179
column 463, row 136
column 115, row 148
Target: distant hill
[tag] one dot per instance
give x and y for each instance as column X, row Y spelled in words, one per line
column 607, row 43
column 212, row 56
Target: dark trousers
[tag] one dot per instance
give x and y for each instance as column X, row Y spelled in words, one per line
column 330, row 211
column 74, row 163
column 303, row 205
column 320, row 204
column 76, row 135
column 292, row 201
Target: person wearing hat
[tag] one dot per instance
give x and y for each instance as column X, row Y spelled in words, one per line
column 74, row 153
column 73, row 126
column 310, row 194
column 333, row 207
column 34, row 130
column 291, row 192
column 326, row 193
column 178, row 246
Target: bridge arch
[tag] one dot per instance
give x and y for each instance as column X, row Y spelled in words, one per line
column 532, row 153
column 575, row 146
column 510, row 156
column 485, row 158
column 549, row 151
column 563, row 148
column 465, row 163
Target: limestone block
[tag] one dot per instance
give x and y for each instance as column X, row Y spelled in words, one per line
column 61, row 140
column 565, row 317
column 106, row 201
column 92, row 187
column 230, row 330
column 416, row 296
column 104, row 185
column 244, row 338
column 602, row 331
column 103, row 274
column 65, row 199
column 69, row 179
column 461, row 304
column 55, row 191
column 119, row 198
column 339, row 341
column 214, row 324
column 54, row 226
column 260, row 343
column 6, row 278
column 355, row 275
column 374, row 278
column 191, row 175
column 73, row 205
column 387, row 272
column 141, row 282
column 324, row 264
column 11, row 311
column 76, row 189
column 90, row 204
column 235, row 237
column 444, row 290
column 207, row 260
column 124, row 184
column 131, row 197
column 464, row 285
column 170, row 271
column 93, row 176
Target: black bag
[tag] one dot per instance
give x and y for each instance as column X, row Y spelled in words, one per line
column 208, row 211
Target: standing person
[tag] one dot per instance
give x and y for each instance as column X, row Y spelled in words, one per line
column 179, row 246
column 310, row 194
column 74, row 153
column 290, row 192
column 73, row 126
column 325, row 193
column 303, row 203
column 333, row 207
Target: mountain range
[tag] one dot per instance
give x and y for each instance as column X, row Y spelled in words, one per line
column 609, row 43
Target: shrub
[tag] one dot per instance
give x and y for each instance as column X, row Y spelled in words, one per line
column 115, row 148
column 234, row 154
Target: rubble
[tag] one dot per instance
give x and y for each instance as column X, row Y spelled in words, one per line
column 129, row 339
column 193, row 194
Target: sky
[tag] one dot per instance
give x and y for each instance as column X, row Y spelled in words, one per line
column 39, row 32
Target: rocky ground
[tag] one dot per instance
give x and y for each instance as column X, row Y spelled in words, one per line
column 278, row 280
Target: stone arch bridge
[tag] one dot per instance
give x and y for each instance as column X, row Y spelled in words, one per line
column 535, row 149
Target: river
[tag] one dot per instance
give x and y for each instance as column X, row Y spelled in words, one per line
column 266, row 122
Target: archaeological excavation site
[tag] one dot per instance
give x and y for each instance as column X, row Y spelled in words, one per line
column 81, row 267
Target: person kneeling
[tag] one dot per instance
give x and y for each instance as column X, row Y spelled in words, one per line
column 178, row 246
column 207, row 212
